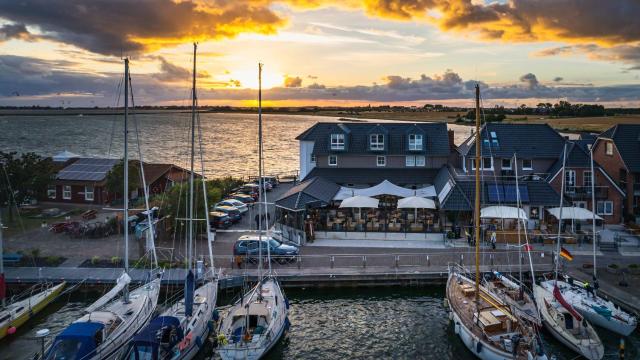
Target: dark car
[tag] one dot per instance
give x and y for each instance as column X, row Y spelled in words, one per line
column 247, row 245
column 232, row 212
column 219, row 220
column 247, row 199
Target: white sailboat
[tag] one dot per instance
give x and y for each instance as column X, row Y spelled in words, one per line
column 181, row 330
column 483, row 322
column 558, row 316
column 111, row 321
column 255, row 323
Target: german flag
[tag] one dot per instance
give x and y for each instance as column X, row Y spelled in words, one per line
column 566, row 254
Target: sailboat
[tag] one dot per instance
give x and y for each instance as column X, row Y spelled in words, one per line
column 255, row 323
column 558, row 315
column 513, row 291
column 594, row 308
column 483, row 322
column 112, row 320
column 181, row 330
column 19, row 311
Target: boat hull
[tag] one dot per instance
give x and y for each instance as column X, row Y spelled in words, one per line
column 42, row 299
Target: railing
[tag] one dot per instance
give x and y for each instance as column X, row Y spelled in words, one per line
column 584, row 192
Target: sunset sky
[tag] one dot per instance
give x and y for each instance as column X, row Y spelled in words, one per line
column 349, row 52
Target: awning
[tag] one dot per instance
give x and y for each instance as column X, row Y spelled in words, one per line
column 359, row 202
column 385, row 188
column 573, row 213
column 503, row 212
column 416, row 202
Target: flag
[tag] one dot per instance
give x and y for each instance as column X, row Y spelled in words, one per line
column 528, row 247
column 566, row 254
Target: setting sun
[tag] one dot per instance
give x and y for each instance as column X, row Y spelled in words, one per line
column 248, row 77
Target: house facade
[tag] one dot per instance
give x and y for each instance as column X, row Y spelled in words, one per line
column 617, row 150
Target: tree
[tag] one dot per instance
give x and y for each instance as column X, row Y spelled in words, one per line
column 115, row 178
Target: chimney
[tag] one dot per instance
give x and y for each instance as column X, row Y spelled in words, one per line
column 452, row 144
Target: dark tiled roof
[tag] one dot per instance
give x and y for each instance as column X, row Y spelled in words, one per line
column 577, row 157
column 316, row 189
column 442, row 178
column 627, row 140
column 372, row 177
column 436, row 139
column 528, row 141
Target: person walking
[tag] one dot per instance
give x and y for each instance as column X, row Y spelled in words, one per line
column 493, row 239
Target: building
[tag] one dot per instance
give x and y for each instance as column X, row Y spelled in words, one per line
column 617, row 150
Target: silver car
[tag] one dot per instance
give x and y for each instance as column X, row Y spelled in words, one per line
column 242, row 207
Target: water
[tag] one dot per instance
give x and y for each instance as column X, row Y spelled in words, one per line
column 229, row 140
column 353, row 323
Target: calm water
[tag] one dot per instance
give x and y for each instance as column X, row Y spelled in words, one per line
column 229, row 140
column 383, row 323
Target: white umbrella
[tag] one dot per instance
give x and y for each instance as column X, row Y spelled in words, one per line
column 359, row 201
column 573, row 213
column 416, row 202
column 503, row 212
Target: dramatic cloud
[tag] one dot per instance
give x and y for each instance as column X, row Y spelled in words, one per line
column 174, row 73
column 627, row 54
column 116, row 27
column 530, row 80
column 15, row 31
column 292, row 82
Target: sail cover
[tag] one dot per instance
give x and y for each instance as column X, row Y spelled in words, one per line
column 122, row 281
column 189, row 289
column 503, row 212
column 558, row 295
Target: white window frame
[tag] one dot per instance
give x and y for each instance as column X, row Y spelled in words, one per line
column 52, row 191
column 584, row 178
column 570, row 178
column 608, row 148
column 376, row 142
column 334, row 163
column 415, row 144
column 484, row 161
column 530, row 167
column 420, row 160
column 505, row 167
column 410, row 161
column 87, row 192
column 604, row 210
column 313, row 158
column 381, row 163
column 473, row 163
column 66, row 192
column 337, row 141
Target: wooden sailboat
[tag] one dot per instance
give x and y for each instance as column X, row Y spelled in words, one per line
column 486, row 325
column 112, row 320
column 256, row 322
column 558, row 316
column 181, row 331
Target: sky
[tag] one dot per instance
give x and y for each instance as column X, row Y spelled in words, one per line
column 337, row 52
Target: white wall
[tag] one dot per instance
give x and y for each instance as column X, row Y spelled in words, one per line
column 306, row 148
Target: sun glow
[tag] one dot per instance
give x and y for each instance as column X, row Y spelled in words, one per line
column 248, row 78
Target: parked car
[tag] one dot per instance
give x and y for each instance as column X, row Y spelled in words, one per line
column 232, row 212
column 219, row 220
column 242, row 207
column 247, row 246
column 242, row 197
column 271, row 180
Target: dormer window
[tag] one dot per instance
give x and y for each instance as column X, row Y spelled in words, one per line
column 415, row 142
column 376, row 142
column 337, row 141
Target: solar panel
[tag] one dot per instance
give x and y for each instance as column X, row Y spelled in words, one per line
column 498, row 193
column 87, row 169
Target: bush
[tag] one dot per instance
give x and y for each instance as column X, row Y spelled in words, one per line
column 634, row 266
column 52, row 260
column 115, row 260
column 95, row 260
column 35, row 253
column 613, row 266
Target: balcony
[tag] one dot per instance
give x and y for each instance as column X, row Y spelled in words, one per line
column 584, row 192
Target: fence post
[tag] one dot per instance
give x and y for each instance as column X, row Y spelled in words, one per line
column 299, row 262
column 491, row 258
column 333, row 260
column 461, row 258
column 364, row 261
column 428, row 261
column 397, row 260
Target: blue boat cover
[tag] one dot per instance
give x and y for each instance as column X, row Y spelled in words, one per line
column 77, row 341
column 189, row 290
column 163, row 330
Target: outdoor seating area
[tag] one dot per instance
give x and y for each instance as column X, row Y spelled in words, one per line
column 374, row 220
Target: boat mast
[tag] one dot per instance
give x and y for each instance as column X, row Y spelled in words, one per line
column 593, row 218
column 191, row 168
column 260, row 188
column 515, row 163
column 126, row 176
column 526, row 239
column 2, row 282
column 564, row 162
column 476, row 215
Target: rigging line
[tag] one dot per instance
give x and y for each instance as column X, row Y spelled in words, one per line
column 115, row 116
column 204, row 191
column 13, row 197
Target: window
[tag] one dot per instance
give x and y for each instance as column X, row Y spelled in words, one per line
column 381, row 161
column 410, row 161
column 333, row 160
column 337, row 141
column 376, row 142
column 570, row 178
column 506, row 164
column 88, row 193
column 608, row 148
column 313, row 158
column 51, row 192
column 605, row 208
column 527, row 164
column 586, row 178
column 415, row 142
column 66, row 192
column 420, row 161
column 487, row 163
